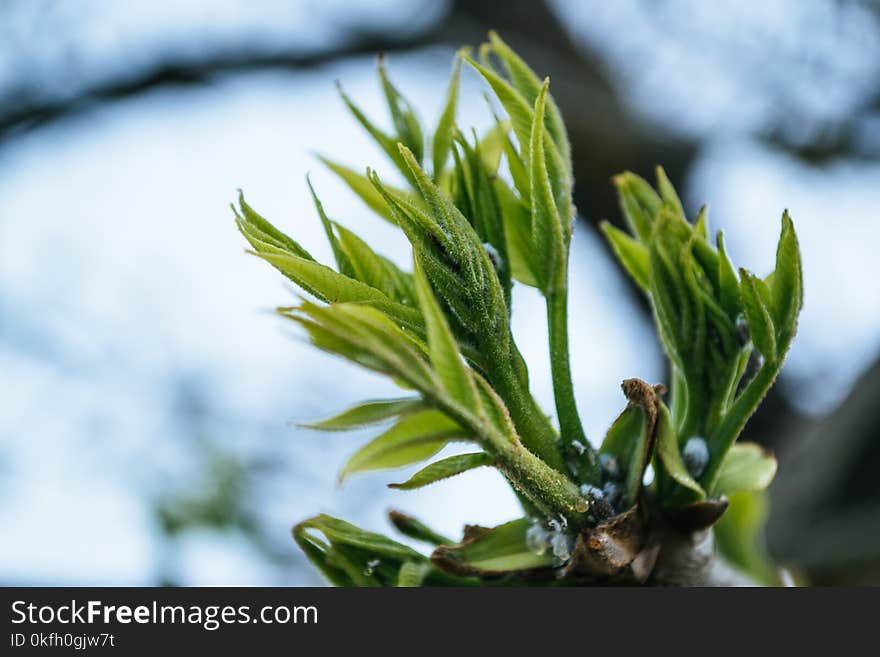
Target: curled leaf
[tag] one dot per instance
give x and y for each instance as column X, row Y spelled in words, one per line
column 413, row 528
column 671, row 462
column 350, row 556
column 630, row 440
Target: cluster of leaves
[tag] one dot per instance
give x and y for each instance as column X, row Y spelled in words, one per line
column 710, row 321
column 442, row 332
column 725, row 334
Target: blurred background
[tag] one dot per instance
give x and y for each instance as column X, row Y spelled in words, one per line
column 149, row 400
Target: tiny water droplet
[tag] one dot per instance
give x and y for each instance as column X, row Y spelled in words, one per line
column 609, row 466
column 537, row 539
column 695, row 455
column 562, row 544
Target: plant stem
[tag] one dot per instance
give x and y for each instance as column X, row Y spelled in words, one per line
column 548, row 489
column 735, row 419
column 533, row 427
column 690, row 559
column 571, row 429
column 534, row 478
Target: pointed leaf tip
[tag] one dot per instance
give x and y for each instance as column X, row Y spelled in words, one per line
column 444, row 469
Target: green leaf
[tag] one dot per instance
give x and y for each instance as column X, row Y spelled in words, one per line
column 694, row 329
column 491, row 146
column 754, row 294
column 669, row 298
column 412, row 574
column 639, row 204
column 442, row 213
column 529, row 84
column 739, row 536
column 362, row 187
column 419, row 226
column 455, row 260
column 405, row 122
column 415, row 529
column 413, row 439
column 474, row 194
column 342, row 261
column 548, row 232
column 631, row 253
column 493, row 552
column 629, row 443
column 786, row 285
column 368, row 337
column 332, row 287
column 367, row 413
column 385, row 141
column 517, row 107
column 746, row 467
column 455, row 377
column 351, row 556
column 475, row 190
column 727, row 282
column 262, row 235
column 317, row 552
column 445, row 468
column 443, row 135
column 321, row 281
column 671, row 462
column 668, row 193
column 496, row 412
column 518, row 172
column 376, row 271
column 706, row 256
column 701, row 225
column 524, row 261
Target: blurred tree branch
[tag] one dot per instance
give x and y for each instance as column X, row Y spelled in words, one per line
column 605, row 137
column 826, row 501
